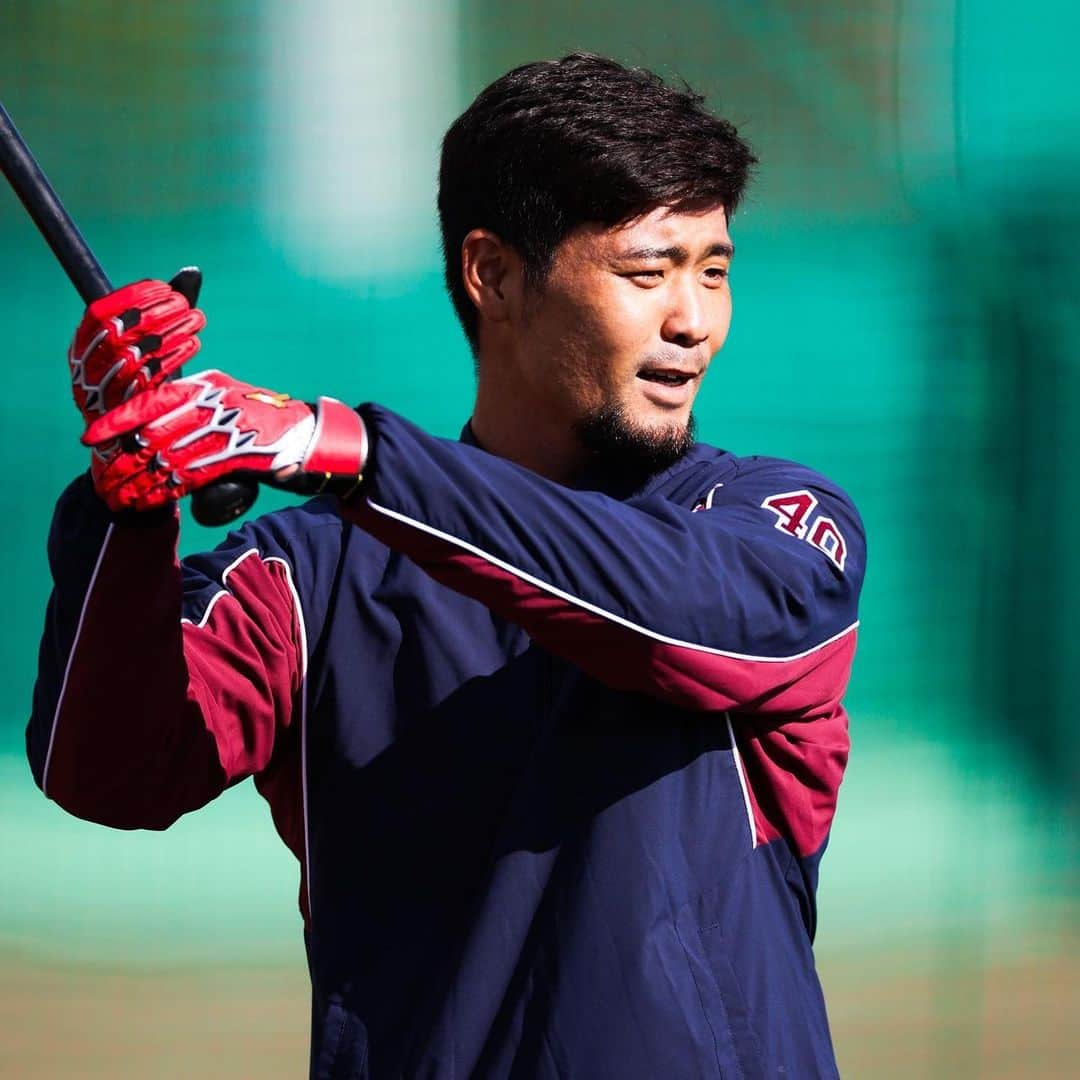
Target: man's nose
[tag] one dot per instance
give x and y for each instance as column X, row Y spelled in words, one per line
column 686, row 322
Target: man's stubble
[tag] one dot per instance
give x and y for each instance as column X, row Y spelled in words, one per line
column 624, row 454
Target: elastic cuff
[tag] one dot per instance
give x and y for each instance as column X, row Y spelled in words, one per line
column 339, row 446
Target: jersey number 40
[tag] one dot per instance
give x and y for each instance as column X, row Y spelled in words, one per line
column 794, row 510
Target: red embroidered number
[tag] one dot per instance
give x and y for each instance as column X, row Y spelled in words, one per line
column 792, row 508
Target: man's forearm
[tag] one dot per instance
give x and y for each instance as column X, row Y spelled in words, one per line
column 137, row 716
column 711, row 610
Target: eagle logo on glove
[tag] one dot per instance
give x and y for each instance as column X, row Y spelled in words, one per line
column 268, row 398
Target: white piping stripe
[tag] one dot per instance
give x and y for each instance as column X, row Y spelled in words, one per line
column 71, row 656
column 303, row 726
column 611, row 617
column 742, row 781
column 303, row 682
column 222, row 591
column 299, row 611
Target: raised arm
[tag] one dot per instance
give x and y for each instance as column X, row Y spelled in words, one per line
column 739, row 605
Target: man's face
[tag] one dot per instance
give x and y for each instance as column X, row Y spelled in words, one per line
column 618, row 338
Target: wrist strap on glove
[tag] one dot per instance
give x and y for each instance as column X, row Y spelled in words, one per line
column 335, row 458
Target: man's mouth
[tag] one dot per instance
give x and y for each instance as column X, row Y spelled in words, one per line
column 667, row 376
column 669, row 386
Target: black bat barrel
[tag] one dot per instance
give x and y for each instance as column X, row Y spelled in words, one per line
column 48, row 214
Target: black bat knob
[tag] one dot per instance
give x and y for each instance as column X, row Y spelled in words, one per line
column 187, row 281
column 224, row 500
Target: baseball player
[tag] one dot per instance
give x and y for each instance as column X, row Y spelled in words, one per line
column 549, row 715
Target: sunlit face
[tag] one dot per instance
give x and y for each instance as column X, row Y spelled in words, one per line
column 627, row 321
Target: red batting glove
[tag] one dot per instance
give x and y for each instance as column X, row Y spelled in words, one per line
column 182, row 435
column 131, row 340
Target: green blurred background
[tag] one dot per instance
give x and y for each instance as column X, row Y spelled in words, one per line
column 906, row 321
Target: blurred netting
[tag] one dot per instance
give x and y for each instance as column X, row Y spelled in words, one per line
column 906, row 321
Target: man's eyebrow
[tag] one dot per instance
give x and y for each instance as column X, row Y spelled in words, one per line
column 676, row 254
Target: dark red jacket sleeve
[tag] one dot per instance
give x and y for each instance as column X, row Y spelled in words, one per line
column 158, row 685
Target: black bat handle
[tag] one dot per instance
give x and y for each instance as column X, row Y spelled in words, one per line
column 215, row 504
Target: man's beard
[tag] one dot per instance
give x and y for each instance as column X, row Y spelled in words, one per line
column 622, row 455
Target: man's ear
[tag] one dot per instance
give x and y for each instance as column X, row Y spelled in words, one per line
column 492, row 272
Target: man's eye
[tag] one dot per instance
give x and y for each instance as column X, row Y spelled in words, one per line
column 716, row 273
column 647, row 275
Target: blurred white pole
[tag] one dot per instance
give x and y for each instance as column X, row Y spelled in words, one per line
column 357, row 97
column 927, row 121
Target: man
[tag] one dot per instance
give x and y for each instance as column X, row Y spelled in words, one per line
column 550, row 716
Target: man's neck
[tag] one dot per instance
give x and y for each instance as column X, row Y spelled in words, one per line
column 507, row 422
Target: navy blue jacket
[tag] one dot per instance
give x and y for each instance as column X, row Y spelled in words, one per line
column 558, row 767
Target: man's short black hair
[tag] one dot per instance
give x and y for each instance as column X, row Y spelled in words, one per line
column 560, row 143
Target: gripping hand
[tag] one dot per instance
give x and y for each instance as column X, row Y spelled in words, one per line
column 182, row 435
column 133, row 339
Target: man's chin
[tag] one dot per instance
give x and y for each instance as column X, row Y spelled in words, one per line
column 629, row 451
